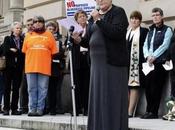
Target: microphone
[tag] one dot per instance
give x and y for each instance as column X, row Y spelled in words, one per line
column 71, row 29
column 97, row 7
column 69, row 43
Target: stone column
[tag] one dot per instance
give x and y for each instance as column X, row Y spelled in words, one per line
column 1, row 8
column 15, row 12
column 16, row 4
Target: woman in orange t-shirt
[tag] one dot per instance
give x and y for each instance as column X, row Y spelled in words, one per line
column 39, row 46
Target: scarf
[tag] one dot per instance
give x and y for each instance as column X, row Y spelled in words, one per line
column 134, row 57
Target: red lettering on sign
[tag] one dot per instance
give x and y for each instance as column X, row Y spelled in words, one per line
column 70, row 4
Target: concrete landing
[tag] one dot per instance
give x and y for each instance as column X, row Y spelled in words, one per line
column 150, row 124
column 65, row 122
column 47, row 122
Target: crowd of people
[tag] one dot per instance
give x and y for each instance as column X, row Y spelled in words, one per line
column 35, row 62
column 107, row 66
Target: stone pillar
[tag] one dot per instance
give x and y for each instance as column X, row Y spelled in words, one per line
column 1, row 8
column 16, row 4
column 15, row 12
column 5, row 7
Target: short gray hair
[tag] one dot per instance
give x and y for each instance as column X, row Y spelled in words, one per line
column 14, row 24
column 156, row 9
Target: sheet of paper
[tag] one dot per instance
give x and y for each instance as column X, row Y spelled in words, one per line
column 56, row 61
column 68, row 22
column 147, row 68
column 168, row 66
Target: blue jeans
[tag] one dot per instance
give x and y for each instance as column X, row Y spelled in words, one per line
column 37, row 90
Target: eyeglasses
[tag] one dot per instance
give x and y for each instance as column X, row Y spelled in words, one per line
column 155, row 15
column 29, row 24
column 38, row 21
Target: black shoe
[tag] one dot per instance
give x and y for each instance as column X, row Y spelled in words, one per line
column 6, row 113
column 144, row 115
column 46, row 111
column 79, row 112
column 149, row 115
column 32, row 114
column 1, row 111
column 39, row 113
column 16, row 112
column 85, row 113
column 24, row 111
column 130, row 116
column 53, row 113
column 60, row 111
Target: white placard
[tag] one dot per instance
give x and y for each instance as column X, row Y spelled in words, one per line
column 68, row 22
column 74, row 5
column 147, row 68
column 168, row 66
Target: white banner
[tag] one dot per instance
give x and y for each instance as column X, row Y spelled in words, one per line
column 74, row 5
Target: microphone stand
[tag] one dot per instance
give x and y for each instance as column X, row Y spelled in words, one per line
column 69, row 46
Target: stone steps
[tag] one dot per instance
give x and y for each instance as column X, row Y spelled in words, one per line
column 150, row 124
column 65, row 122
column 59, row 122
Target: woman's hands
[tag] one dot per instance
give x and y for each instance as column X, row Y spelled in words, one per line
column 95, row 14
column 150, row 60
column 76, row 37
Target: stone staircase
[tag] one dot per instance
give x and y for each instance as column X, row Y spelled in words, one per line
column 65, row 122
column 59, row 122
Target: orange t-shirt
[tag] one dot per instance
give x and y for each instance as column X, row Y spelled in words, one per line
column 38, row 49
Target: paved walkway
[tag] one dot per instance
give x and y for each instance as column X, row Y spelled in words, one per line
column 65, row 122
column 151, row 124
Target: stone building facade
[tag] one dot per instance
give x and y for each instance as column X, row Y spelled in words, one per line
column 10, row 10
column 20, row 10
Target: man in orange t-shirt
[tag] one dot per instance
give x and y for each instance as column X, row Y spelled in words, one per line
column 39, row 46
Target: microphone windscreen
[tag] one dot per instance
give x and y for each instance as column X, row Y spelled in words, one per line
column 71, row 29
column 97, row 7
